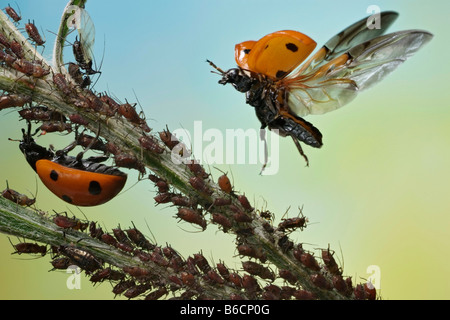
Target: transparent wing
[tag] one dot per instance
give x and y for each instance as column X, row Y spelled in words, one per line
column 348, row 38
column 334, row 84
column 86, row 30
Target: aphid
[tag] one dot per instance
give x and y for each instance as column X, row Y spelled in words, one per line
column 29, row 248
column 129, row 112
column 360, row 292
column 285, row 244
column 271, row 292
column 55, row 127
column 158, row 293
column 128, row 160
column 245, row 203
column 222, row 220
column 7, row 58
column 33, row 33
column 258, row 270
column 150, row 144
column 32, row 69
column 176, row 281
column 235, row 279
column 181, row 201
column 257, row 253
column 340, row 285
column 192, row 216
column 122, row 286
column 137, row 272
column 61, row 83
column 201, row 262
column 225, row 184
column 223, row 270
column 304, row 295
column 286, row 292
column 308, row 260
column 13, row 14
column 199, row 184
column 330, row 262
column 137, row 290
column 106, row 274
column 165, row 197
column 81, row 258
column 95, row 232
column 283, row 90
column 17, row 197
column 61, row 263
column 143, row 256
column 214, row 277
column 221, row 202
column 17, row 49
column 70, row 223
column 242, row 218
column 13, row 100
column 36, row 114
column 90, row 142
column 320, row 281
column 158, row 258
column 168, row 138
column 250, row 284
column 78, row 119
column 83, row 58
column 121, row 236
column 108, row 239
column 187, row 278
column 74, row 180
column 197, row 169
column 288, row 276
column 371, row 291
column 293, row 223
column 138, row 238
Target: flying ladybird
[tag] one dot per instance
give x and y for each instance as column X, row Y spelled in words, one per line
column 75, row 180
column 283, row 90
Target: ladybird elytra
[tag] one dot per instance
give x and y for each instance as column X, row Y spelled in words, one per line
column 79, row 187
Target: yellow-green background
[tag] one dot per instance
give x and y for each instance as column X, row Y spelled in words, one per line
column 378, row 189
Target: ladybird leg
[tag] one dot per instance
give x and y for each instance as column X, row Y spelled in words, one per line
column 262, row 136
column 299, row 148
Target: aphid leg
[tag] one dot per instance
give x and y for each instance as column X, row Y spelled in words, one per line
column 299, row 148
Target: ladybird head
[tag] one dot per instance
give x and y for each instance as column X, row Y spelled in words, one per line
column 32, row 151
column 236, row 76
column 240, row 81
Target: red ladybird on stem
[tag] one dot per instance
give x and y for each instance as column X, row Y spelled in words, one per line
column 75, row 180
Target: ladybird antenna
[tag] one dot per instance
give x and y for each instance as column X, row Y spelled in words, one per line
column 212, row 64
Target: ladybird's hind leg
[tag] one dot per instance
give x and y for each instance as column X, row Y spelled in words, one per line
column 262, row 136
column 299, row 148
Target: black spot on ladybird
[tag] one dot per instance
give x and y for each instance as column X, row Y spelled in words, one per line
column 54, row 175
column 247, row 51
column 266, row 47
column 94, row 188
column 292, row 47
column 67, row 198
column 280, row 73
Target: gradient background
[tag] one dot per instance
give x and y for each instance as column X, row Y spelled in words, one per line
column 378, row 189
